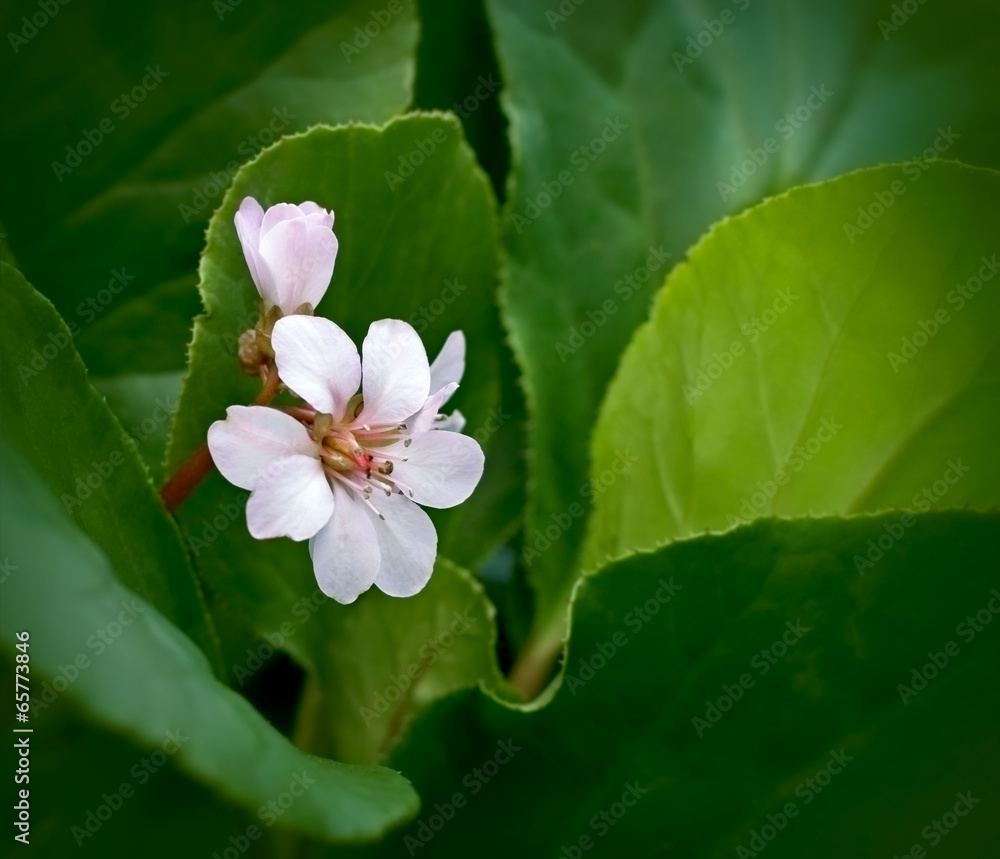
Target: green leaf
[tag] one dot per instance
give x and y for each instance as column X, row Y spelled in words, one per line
column 80, row 766
column 227, row 81
column 799, row 363
column 62, row 426
column 416, row 651
column 672, row 133
column 419, row 246
column 149, row 679
column 133, row 397
column 809, row 659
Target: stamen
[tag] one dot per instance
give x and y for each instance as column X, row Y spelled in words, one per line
column 374, row 509
column 400, row 485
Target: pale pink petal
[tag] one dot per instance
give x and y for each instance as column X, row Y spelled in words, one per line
column 408, row 544
column 301, row 258
column 316, row 214
column 291, row 499
column 425, row 418
column 395, row 374
column 318, row 361
column 278, row 213
column 244, row 445
column 441, row 468
column 455, row 422
column 248, row 220
column 345, row 552
column 248, row 223
column 449, row 366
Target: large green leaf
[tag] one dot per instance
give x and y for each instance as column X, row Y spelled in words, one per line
column 423, row 249
column 229, row 78
column 62, row 426
column 80, row 766
column 721, row 676
column 128, row 667
column 799, row 363
column 578, row 280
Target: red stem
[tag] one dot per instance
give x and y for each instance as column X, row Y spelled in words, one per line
column 186, row 479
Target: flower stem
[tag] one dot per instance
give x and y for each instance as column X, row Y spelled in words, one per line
column 534, row 664
column 192, row 472
column 186, row 478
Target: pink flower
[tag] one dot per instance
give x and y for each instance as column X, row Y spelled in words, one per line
column 290, row 251
column 349, row 473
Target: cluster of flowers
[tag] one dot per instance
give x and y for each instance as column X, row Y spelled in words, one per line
column 347, row 469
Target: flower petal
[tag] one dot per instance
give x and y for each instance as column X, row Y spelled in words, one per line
column 291, row 499
column 395, row 374
column 278, row 213
column 318, row 361
column 449, row 366
column 345, row 552
column 424, row 419
column 455, row 422
column 244, row 445
column 248, row 223
column 301, row 258
column 441, row 468
column 316, row 214
column 408, row 544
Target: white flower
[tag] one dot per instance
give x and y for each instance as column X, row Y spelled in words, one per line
column 348, row 473
column 290, row 251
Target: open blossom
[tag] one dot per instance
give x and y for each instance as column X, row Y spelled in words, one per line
column 349, row 472
column 290, row 251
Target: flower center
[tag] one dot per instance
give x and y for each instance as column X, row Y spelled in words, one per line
column 358, row 458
